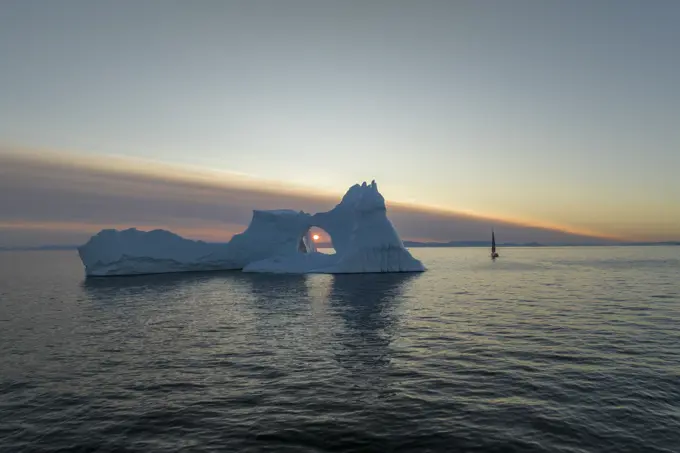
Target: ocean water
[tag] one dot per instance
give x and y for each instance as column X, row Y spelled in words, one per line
column 546, row 350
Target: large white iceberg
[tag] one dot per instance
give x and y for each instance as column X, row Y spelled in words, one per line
column 277, row 241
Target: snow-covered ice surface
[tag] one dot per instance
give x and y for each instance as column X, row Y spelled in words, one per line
column 276, row 241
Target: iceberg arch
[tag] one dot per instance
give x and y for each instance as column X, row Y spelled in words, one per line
column 277, row 241
column 363, row 237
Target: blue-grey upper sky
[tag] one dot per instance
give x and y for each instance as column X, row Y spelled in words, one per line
column 547, row 112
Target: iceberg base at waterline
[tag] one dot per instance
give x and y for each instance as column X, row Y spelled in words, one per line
column 364, row 262
column 276, row 241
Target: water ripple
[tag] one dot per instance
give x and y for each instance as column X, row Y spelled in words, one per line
column 547, row 350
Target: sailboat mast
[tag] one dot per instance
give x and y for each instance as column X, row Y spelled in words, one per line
column 493, row 242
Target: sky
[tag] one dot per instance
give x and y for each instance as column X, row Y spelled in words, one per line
column 476, row 113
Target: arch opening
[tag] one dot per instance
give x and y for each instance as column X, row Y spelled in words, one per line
column 316, row 239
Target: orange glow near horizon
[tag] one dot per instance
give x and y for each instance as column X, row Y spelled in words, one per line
column 502, row 219
column 105, row 175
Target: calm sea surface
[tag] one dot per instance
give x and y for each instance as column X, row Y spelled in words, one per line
column 546, row 349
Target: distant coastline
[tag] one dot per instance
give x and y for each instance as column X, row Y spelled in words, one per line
column 413, row 244
column 535, row 244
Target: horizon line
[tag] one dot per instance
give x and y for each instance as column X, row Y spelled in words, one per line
column 72, row 246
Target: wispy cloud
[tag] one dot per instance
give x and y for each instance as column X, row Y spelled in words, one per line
column 57, row 196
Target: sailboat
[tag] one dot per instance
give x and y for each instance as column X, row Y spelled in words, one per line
column 494, row 255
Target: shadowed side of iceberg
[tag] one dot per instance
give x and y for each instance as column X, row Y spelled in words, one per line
column 281, row 232
column 130, row 252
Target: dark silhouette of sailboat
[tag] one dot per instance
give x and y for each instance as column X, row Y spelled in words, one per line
column 494, row 255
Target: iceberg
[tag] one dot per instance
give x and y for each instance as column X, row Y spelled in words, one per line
column 276, row 241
